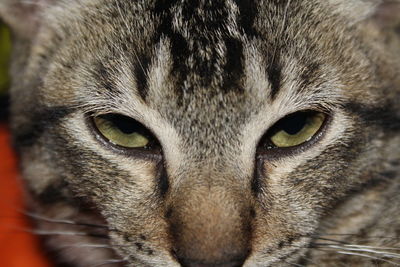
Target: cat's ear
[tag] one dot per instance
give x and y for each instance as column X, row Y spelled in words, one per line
column 23, row 16
column 381, row 11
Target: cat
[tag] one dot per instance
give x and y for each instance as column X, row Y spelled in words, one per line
column 209, row 132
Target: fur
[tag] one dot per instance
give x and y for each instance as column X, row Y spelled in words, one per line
column 208, row 79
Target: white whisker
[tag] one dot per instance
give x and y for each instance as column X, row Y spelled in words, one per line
column 63, row 221
column 87, row 246
column 373, row 247
column 66, row 233
column 367, row 256
column 361, row 249
column 43, row 232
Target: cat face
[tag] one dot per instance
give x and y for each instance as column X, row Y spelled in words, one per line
column 203, row 133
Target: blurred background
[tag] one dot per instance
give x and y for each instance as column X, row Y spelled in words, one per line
column 5, row 48
column 18, row 247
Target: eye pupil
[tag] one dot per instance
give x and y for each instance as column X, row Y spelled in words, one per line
column 294, row 123
column 124, row 124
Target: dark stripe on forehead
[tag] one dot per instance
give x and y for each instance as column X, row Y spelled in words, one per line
column 140, row 71
column 179, row 45
column 40, row 121
column 280, row 10
column 386, row 117
column 163, row 6
column 107, row 71
column 101, row 73
column 205, row 21
column 310, row 75
column 233, row 69
column 180, row 53
column 274, row 73
column 205, row 24
column 248, row 11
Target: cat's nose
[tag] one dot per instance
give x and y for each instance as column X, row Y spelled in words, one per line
column 211, row 228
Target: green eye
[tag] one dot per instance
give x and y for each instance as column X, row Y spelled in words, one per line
column 122, row 131
column 297, row 128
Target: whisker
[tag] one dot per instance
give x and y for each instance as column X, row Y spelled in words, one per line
column 332, row 240
column 49, row 233
column 87, row 246
column 358, row 235
column 93, row 246
column 66, row 233
column 356, row 252
column 63, row 221
column 349, row 245
column 373, row 247
column 384, row 253
column 367, row 256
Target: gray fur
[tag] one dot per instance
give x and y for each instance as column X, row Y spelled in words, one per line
column 209, row 78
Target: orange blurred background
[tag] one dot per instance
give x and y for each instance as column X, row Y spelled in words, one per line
column 18, row 248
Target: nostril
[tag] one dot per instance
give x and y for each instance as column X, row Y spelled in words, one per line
column 196, row 263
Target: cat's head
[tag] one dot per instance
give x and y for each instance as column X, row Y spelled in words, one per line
column 204, row 133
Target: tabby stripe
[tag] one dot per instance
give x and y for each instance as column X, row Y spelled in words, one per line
column 233, row 69
column 41, row 121
column 102, row 75
column 204, row 31
column 180, row 53
column 163, row 6
column 140, row 70
column 310, row 75
column 258, row 176
column 274, row 69
column 162, row 179
column 179, row 45
column 214, row 19
column 386, row 117
column 274, row 73
column 248, row 12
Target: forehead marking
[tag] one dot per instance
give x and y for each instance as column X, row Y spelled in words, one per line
column 248, row 12
column 140, row 72
column 274, row 71
column 206, row 43
column 206, row 47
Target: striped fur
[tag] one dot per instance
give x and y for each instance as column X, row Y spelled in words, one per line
column 208, row 79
